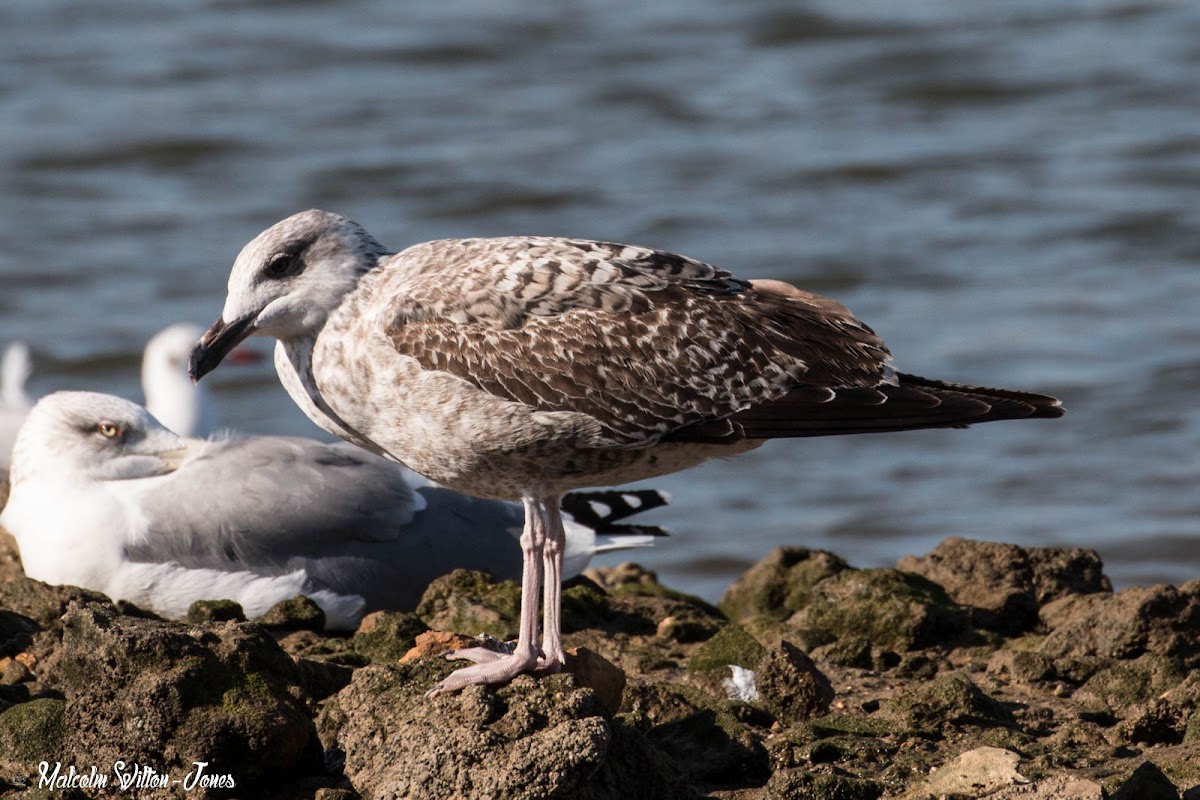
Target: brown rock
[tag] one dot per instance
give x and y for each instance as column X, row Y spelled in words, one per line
column 436, row 643
column 163, row 694
column 591, row 669
column 1163, row 620
column 977, row 772
column 791, row 685
column 1023, row 666
column 1053, row 787
column 534, row 738
column 1006, row 582
column 597, row 673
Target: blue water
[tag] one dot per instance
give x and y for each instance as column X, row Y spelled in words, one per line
column 1007, row 192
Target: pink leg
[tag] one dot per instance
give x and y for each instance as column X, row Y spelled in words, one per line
column 552, row 565
column 492, row 667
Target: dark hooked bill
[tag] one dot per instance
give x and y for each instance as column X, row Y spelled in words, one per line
column 216, row 343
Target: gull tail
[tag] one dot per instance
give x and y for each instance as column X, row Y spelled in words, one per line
column 602, row 511
column 912, row 404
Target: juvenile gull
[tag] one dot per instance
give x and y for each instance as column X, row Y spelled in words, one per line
column 105, row 497
column 529, row 366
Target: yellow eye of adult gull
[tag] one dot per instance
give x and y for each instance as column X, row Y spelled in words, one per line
column 525, row 367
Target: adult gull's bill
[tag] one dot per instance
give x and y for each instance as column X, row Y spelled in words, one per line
column 525, row 367
column 105, row 497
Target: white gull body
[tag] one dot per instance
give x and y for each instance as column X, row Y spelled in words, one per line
column 183, row 407
column 530, row 366
column 15, row 368
column 105, row 497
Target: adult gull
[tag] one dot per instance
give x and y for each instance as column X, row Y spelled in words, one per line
column 525, row 367
column 15, row 368
column 105, row 497
column 183, row 407
column 174, row 399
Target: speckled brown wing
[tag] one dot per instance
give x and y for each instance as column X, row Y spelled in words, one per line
column 649, row 344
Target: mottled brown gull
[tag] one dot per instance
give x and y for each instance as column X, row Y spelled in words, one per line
column 523, row 367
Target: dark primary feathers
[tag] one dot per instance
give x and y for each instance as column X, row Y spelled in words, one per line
column 603, row 510
column 659, row 347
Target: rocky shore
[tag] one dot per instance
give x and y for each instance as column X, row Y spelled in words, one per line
column 978, row 670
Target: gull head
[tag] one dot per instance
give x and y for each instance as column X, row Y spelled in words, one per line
column 287, row 281
column 93, row 437
column 15, row 368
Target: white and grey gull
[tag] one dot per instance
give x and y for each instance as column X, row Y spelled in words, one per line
column 16, row 366
column 525, row 367
column 105, row 497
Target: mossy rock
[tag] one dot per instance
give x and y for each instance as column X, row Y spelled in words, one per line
column 471, row 602
column 206, row 612
column 791, row 686
column 584, row 605
column 42, row 603
column 1118, row 688
column 1146, row 782
column 299, row 613
column 385, row 636
column 841, row 724
column 32, row 732
column 1191, row 734
column 780, row 584
column 894, row 609
column 931, row 708
column 849, row 651
column 165, row 693
column 730, row 645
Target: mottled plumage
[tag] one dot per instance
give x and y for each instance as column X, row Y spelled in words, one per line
column 528, row 366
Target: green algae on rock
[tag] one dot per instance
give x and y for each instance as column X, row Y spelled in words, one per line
column 780, row 584
column 471, row 602
column 893, row 609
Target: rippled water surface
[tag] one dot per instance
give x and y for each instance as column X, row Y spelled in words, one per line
column 1007, row 192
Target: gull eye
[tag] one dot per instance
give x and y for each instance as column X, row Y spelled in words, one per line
column 109, row 430
column 282, row 264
